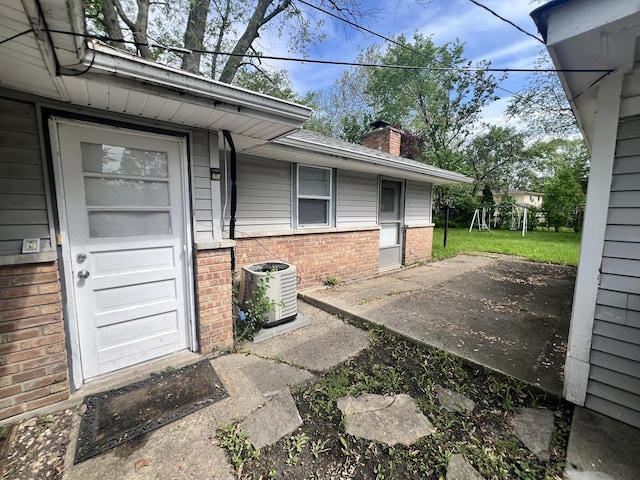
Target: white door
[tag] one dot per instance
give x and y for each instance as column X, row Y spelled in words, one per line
column 390, row 220
column 124, row 214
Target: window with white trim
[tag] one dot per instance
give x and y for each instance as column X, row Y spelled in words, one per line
column 314, row 196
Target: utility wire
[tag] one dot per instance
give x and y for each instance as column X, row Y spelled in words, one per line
column 329, row 62
column 495, row 14
column 15, row 36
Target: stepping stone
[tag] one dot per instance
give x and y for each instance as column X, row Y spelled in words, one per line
column 459, row 469
column 453, row 401
column 533, row 427
column 277, row 419
column 389, row 419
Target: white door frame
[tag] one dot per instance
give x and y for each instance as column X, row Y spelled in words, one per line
column 76, row 373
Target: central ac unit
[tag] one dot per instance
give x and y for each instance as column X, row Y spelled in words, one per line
column 281, row 289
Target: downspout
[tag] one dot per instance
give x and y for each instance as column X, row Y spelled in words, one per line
column 234, row 195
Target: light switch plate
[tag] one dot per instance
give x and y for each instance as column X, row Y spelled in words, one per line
column 31, row 245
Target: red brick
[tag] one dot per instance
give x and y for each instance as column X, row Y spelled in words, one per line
column 48, row 400
column 31, row 395
column 45, row 360
column 19, row 291
column 22, row 334
column 28, row 375
column 59, row 387
column 33, row 279
column 20, row 313
column 38, row 383
column 26, row 355
column 11, row 411
column 10, row 391
column 23, row 302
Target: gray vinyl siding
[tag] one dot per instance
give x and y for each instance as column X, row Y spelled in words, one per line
column 417, row 210
column 202, row 186
column 614, row 377
column 264, row 196
column 357, row 199
column 23, row 205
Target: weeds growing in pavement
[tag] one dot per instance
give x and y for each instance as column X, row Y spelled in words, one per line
column 393, row 365
column 237, row 444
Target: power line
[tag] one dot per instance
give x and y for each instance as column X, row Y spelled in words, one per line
column 15, row 36
column 388, row 39
column 506, row 20
column 328, row 62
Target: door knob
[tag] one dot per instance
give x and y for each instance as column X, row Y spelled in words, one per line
column 82, row 274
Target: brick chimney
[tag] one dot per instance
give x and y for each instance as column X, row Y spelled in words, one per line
column 383, row 137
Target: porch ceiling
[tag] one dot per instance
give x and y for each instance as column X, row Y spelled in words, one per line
column 67, row 69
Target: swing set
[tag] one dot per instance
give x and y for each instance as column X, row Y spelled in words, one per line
column 517, row 217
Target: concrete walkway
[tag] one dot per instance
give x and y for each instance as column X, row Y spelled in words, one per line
column 508, row 314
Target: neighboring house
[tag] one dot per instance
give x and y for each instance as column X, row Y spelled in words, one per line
column 602, row 369
column 118, row 181
column 522, row 198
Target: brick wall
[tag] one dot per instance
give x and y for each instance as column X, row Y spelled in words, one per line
column 316, row 256
column 33, row 357
column 417, row 244
column 214, row 304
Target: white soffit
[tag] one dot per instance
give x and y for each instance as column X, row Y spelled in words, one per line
column 589, row 35
column 63, row 67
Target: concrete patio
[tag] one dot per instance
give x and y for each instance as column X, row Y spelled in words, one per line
column 508, row 314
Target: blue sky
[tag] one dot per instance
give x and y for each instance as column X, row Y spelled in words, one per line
column 485, row 36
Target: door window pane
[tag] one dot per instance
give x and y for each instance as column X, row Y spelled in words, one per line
column 111, row 192
column 388, row 200
column 116, row 160
column 128, row 224
column 389, row 235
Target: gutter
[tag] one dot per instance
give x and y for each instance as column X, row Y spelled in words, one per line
column 332, row 150
column 109, row 60
column 541, row 15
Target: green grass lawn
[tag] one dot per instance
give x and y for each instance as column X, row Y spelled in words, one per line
column 540, row 246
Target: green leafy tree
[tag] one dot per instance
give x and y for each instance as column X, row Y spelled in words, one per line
column 345, row 110
column 542, row 105
column 552, row 156
column 275, row 83
column 498, row 158
column 563, row 200
column 436, row 99
column 487, row 196
column 218, row 26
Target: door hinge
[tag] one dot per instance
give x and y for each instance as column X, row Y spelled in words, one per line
column 59, row 239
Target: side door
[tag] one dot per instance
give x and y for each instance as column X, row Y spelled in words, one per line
column 121, row 202
column 390, row 220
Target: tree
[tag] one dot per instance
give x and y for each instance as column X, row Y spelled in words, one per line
column 554, row 155
column 563, row 200
column 270, row 82
column 438, row 99
column 497, row 158
column 487, row 196
column 542, row 104
column 345, row 110
column 227, row 28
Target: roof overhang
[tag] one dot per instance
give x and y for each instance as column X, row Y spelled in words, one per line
column 296, row 148
column 64, row 67
column 589, row 35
